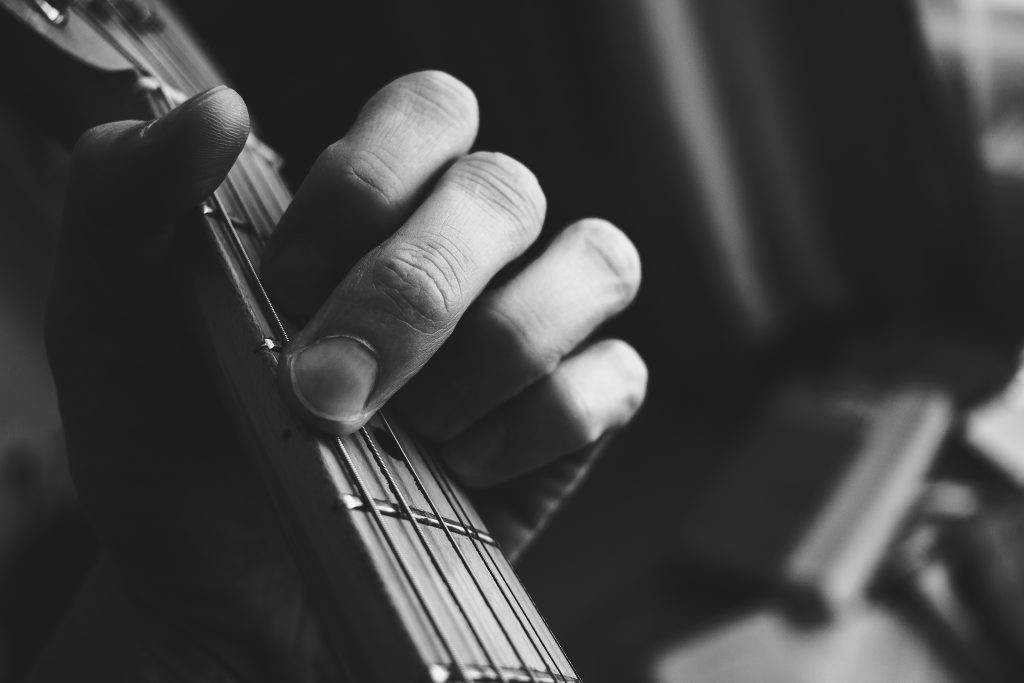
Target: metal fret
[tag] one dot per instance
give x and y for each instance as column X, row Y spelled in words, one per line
column 439, row 673
column 353, row 502
column 258, row 192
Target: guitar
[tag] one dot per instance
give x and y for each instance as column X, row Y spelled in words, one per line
column 386, row 541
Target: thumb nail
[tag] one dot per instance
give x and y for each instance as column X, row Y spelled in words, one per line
column 332, row 380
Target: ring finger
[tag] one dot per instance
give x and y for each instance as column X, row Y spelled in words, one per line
column 520, row 332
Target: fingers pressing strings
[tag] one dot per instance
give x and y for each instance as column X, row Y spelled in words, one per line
column 401, row 301
column 520, row 332
column 589, row 394
column 363, row 187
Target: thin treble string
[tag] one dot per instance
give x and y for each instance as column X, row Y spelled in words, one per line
column 171, row 62
column 368, row 501
column 508, row 593
column 463, row 518
column 162, row 105
column 453, row 499
column 392, row 484
column 416, row 525
column 172, row 66
column 458, row 551
column 251, row 168
column 141, row 64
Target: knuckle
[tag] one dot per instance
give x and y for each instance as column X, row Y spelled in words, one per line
column 609, row 247
column 439, row 96
column 516, row 337
column 369, row 170
column 506, row 188
column 423, row 283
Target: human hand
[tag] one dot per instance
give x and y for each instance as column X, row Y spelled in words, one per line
column 391, row 241
column 194, row 554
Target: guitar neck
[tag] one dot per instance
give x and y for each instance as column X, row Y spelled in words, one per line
column 392, row 553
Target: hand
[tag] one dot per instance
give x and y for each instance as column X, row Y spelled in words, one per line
column 393, row 239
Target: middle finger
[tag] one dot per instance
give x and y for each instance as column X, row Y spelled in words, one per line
column 519, row 333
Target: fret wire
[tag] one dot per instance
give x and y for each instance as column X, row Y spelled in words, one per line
column 416, row 525
column 173, row 67
column 455, row 546
column 173, row 70
column 195, row 84
column 403, row 564
column 463, row 517
column 271, row 313
column 246, row 160
column 173, row 63
column 448, row 491
column 183, row 82
column 357, row 479
column 204, row 78
column 136, row 60
column 536, row 641
column 251, row 273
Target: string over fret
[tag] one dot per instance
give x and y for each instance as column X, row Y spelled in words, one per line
column 252, row 199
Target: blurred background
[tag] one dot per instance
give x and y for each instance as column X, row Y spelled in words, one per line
column 826, row 198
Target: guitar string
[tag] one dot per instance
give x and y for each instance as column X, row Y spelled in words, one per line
column 347, row 459
column 492, row 563
column 448, row 491
column 451, row 538
column 505, row 591
column 269, row 222
column 166, row 104
column 169, row 62
column 177, row 67
column 417, row 528
column 199, row 76
column 270, row 188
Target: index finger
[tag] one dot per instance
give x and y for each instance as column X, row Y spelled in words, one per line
column 365, row 185
column 403, row 299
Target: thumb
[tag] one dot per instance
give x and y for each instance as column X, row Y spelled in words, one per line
column 128, row 182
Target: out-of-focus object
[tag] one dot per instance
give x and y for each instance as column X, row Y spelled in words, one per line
column 816, row 495
column 990, row 572
column 995, row 430
column 869, row 644
column 920, row 570
column 978, row 51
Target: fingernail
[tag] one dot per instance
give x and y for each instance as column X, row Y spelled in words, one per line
column 332, row 379
column 158, row 125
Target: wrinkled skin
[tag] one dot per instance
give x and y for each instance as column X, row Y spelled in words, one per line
column 385, row 257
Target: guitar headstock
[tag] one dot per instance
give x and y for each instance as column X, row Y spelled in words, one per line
column 78, row 64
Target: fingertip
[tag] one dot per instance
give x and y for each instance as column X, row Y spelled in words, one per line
column 227, row 113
